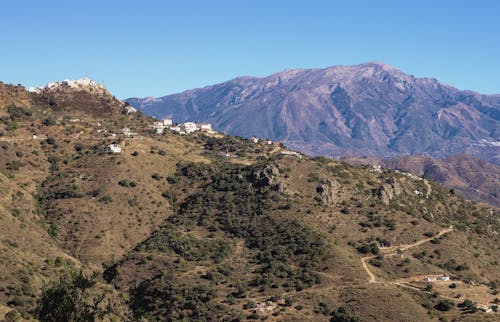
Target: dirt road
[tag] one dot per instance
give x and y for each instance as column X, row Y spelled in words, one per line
column 392, row 251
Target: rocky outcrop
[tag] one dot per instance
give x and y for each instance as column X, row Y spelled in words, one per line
column 326, row 191
column 269, row 177
column 388, row 190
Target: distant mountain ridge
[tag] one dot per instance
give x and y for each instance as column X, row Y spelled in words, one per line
column 371, row 109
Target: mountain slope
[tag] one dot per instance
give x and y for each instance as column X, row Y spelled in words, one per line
column 473, row 178
column 212, row 227
column 369, row 109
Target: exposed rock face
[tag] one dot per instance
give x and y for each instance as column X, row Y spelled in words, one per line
column 326, row 190
column 371, row 109
column 473, row 178
column 388, row 190
column 269, row 177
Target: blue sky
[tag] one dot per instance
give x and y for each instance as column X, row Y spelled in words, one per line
column 153, row 48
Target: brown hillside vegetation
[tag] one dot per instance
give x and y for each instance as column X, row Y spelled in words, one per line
column 200, row 228
column 473, row 178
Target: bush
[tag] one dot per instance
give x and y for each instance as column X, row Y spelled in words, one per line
column 343, row 314
column 156, row 176
column 444, row 306
column 127, row 183
column 12, row 316
column 49, row 121
column 160, row 300
column 377, row 262
column 50, row 140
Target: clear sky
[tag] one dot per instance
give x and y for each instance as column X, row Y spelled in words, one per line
column 152, row 48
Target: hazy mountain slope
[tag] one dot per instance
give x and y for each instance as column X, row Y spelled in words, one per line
column 200, row 227
column 369, row 109
column 473, row 178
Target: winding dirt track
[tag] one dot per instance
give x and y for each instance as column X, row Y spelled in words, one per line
column 392, row 251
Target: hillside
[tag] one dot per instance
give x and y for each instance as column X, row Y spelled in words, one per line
column 473, row 178
column 366, row 110
column 212, row 227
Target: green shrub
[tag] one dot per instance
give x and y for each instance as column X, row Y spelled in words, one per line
column 342, row 314
column 127, row 183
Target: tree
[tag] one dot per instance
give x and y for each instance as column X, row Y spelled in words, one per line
column 69, row 300
column 444, row 306
column 343, row 314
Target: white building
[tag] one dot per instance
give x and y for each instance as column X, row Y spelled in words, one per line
column 205, row 127
column 484, row 308
column 158, row 125
column 177, row 129
column 82, row 83
column 444, row 278
column 167, row 122
column 129, row 109
column 159, row 131
column 113, row 148
column 189, row 127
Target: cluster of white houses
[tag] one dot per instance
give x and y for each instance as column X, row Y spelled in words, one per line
column 83, row 82
column 160, row 127
column 182, row 128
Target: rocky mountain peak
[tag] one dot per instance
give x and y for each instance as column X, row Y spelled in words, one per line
column 368, row 109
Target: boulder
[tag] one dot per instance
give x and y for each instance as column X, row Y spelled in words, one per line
column 269, row 177
column 326, row 190
column 388, row 190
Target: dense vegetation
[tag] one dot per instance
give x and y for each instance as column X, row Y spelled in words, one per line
column 229, row 203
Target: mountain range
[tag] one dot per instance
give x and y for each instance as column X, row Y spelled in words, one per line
column 371, row 109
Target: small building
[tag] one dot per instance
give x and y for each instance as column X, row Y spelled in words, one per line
column 176, row 129
column 254, row 140
column 484, row 308
column 443, row 278
column 159, row 131
column 189, row 127
column 157, row 125
column 114, row 148
column 205, row 127
column 167, row 122
column 430, row 279
column 129, row 109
